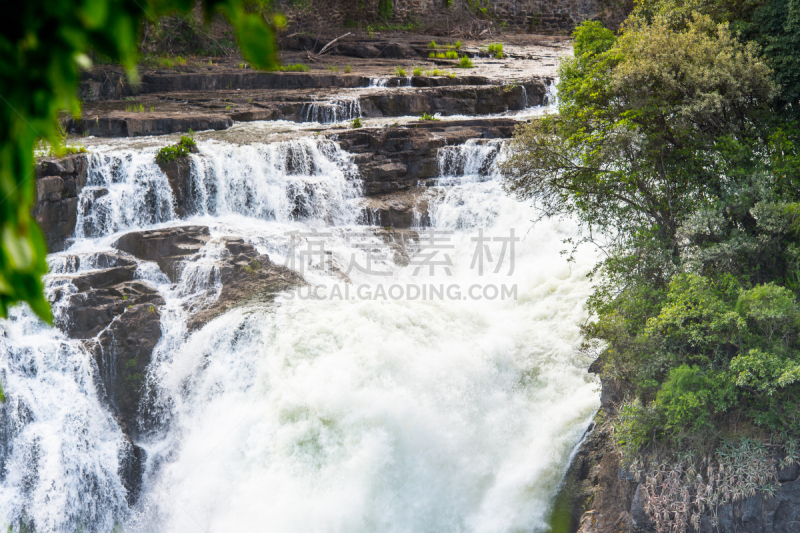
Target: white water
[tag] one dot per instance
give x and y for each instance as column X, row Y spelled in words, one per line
column 311, row 415
column 337, row 110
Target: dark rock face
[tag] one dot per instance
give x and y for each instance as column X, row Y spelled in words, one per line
column 58, row 183
column 179, row 174
column 397, row 159
column 122, row 352
column 119, row 319
column 600, row 500
column 362, row 50
column 453, row 100
column 398, row 210
column 99, row 300
column 198, row 112
column 605, row 498
column 148, row 124
column 399, row 50
column 114, row 86
column 166, row 247
column 247, row 277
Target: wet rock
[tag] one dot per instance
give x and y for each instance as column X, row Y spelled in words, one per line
column 396, row 159
column 639, row 518
column 116, row 87
column 457, row 100
column 118, row 317
column 246, row 277
column 788, row 473
column 122, row 352
column 398, row 210
column 179, row 175
column 131, row 469
column 165, row 246
column 362, row 50
column 58, row 183
column 402, row 242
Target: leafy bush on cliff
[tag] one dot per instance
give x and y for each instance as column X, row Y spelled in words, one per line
column 181, row 149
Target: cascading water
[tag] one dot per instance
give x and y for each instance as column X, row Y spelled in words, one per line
column 338, row 110
column 310, row 180
column 368, row 413
column 551, row 96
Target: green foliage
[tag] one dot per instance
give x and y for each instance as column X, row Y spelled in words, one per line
column 776, row 27
column 644, row 115
column 427, row 118
column 357, row 123
column 495, row 49
column 348, row 69
column 400, row 71
column 773, row 24
column 332, row 68
column 42, row 49
column 182, row 149
column 297, row 67
column 432, row 45
column 466, row 62
column 672, row 149
column 385, row 8
column 417, row 71
column 409, row 25
column 164, row 61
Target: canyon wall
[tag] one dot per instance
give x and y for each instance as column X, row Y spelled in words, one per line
column 535, row 16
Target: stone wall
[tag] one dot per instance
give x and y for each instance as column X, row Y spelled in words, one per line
column 535, row 16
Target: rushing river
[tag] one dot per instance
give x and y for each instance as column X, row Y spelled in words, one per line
column 362, row 409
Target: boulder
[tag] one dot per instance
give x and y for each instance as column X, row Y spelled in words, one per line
column 122, row 352
column 397, row 210
column 398, row 50
column 179, row 175
column 246, row 277
column 165, row 246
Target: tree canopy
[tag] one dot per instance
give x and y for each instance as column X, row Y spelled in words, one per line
column 676, row 146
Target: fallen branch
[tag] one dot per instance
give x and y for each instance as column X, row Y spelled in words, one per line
column 325, row 49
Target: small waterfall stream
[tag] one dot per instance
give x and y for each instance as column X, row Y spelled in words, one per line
column 356, row 415
column 338, row 110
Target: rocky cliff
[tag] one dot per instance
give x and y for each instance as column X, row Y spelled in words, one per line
column 601, row 495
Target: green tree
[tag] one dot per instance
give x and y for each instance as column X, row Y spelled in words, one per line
column 43, row 46
column 635, row 146
column 673, row 148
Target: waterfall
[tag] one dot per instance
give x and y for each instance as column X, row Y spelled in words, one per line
column 551, row 95
column 61, row 452
column 338, row 110
column 474, row 160
column 123, row 190
column 378, row 82
column 290, row 180
column 282, row 181
column 370, row 414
